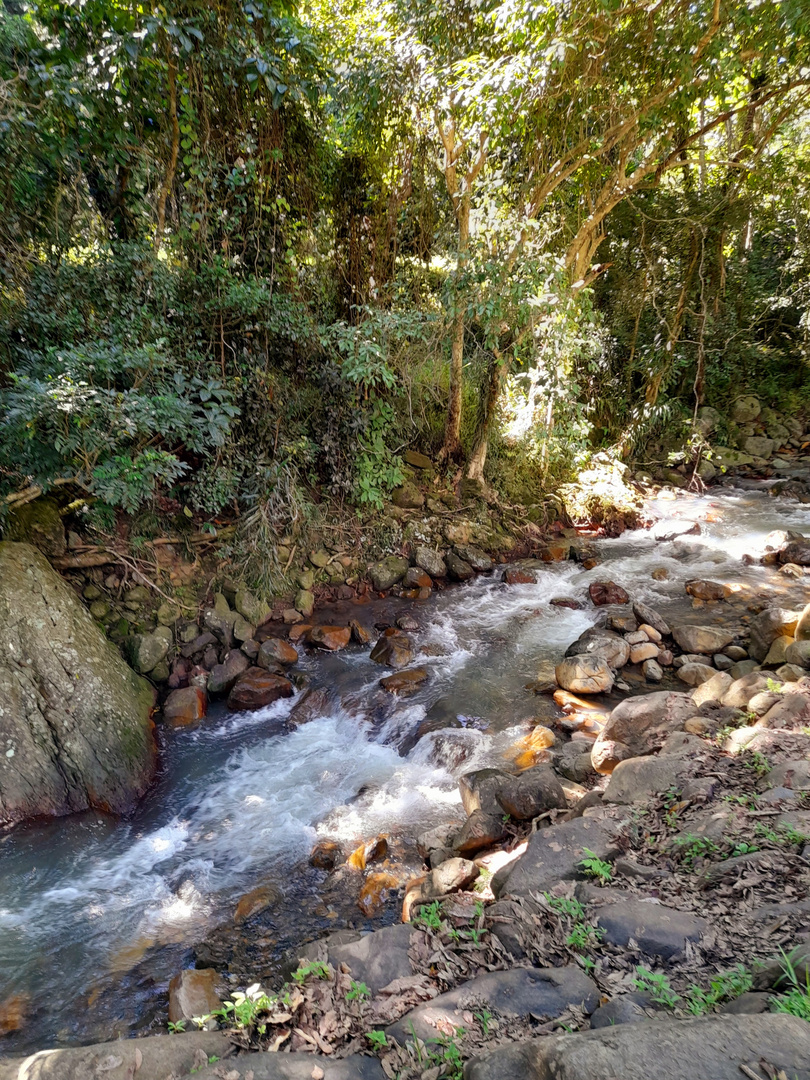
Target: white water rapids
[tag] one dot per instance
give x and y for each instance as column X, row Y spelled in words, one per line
column 240, row 800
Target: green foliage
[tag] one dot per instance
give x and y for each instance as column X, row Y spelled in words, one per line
column 726, row 986
column 595, row 867
column 796, row 999
column 244, row 1008
column 429, row 916
column 757, row 762
column 378, row 1040
column 657, row 985
column 358, row 991
column 691, row 848
column 316, row 968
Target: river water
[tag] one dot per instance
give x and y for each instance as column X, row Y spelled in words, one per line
column 95, row 913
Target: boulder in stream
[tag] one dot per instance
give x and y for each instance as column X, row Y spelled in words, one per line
column 75, row 719
column 638, row 726
column 585, row 674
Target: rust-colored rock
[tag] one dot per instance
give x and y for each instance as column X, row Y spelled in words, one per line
column 193, row 993
column 417, row 578
column 513, row 576
column 567, row 602
column 258, row 899
column 185, row 707
column 257, row 688
column 404, row 683
column 375, row 892
column 299, row 631
column 325, row 855
column 369, row 852
column 359, row 633
column 276, row 650
column 607, row 592
column 13, row 1013
column 331, row 638
column 393, row 649
column 558, row 551
column 706, row 590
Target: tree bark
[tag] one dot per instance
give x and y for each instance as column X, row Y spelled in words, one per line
column 174, row 151
column 478, row 457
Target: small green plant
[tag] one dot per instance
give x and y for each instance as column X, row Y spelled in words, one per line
column 448, row 1056
column 743, row 847
column 378, row 1040
column 595, row 867
column 757, row 762
column 483, row 880
column 175, row 1027
column 695, row 847
column 726, row 986
column 429, row 916
column 316, row 967
column 583, row 935
column 750, row 801
column 657, row 985
column 774, row 686
column 358, row 991
column 796, row 1000
column 483, row 1019
column 244, row 1009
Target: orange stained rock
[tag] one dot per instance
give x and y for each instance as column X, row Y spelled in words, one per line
column 375, row 892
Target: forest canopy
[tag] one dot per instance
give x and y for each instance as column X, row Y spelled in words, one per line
column 254, row 251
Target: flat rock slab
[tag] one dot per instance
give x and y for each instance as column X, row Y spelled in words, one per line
column 657, row 930
column 376, row 959
column 160, row 1056
column 639, row 779
column 292, row 1067
column 555, row 854
column 710, row 1048
column 539, row 992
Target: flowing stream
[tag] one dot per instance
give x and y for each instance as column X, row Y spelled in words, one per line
column 96, row 914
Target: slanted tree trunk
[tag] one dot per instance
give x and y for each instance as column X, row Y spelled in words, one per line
column 489, row 407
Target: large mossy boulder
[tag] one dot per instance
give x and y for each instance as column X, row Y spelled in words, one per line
column 75, row 720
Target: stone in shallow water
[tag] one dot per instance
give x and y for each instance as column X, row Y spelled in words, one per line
column 257, row 688
column 584, row 674
column 607, row 592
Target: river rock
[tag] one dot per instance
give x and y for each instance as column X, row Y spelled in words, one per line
column 252, row 609
column 223, row 676
column 638, row 726
column 798, row 653
column 75, row 720
column 393, row 649
column 514, row 575
column 185, row 706
column 727, row 458
column 597, row 641
column 430, row 561
column 330, row 638
column 585, row 674
column 255, row 901
column 479, row 790
column 474, row 556
column 639, row 779
column 276, row 651
column 745, row 409
column 802, row 629
column 520, row 992
column 408, row 497
column 645, row 650
column 193, row 993
column 708, row 1048
column 386, row 573
column 531, row 793
column 658, row 930
column 712, row 689
column 479, row 831
column 416, row 578
column 702, row 639
column 759, row 446
column 405, row 683
column 257, row 688
column 673, row 530
column 769, row 625
column 706, row 590
column 778, row 650
column 652, row 671
column 646, row 614
column 458, row 568
column 153, row 1058
column 555, row 854
column 607, row 592
column 375, row 892
column 796, row 552
column 145, row 651
column 305, row 602
column 695, row 674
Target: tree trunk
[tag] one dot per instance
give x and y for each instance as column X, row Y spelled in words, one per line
column 171, row 168
column 452, row 431
column 478, row 458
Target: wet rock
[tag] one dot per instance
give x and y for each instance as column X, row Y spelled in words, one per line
column 76, row 720
column 275, row 650
column 555, row 854
column 708, row 1048
column 638, row 726
column 584, row 674
column 769, row 625
column 539, row 992
column 185, row 706
column 706, row 590
column 596, row 641
column 193, row 993
column 430, row 561
column 376, row 890
column 479, row 831
column 312, row 705
column 416, row 578
column 223, row 676
column 622, row 624
column 695, row 674
column 436, row 838
column 796, row 552
column 479, row 790
column 407, row 623
column 702, row 639
column 516, row 576
column 404, row 683
column 475, row 557
column 665, row 531
column 257, row 688
column 639, row 779
column 393, row 649
column 325, row 855
column 607, row 592
column 458, row 568
column 658, row 930
column 531, row 793
column 258, row 899
column 646, row 614
column 330, row 638
column 360, row 635
column 386, row 573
